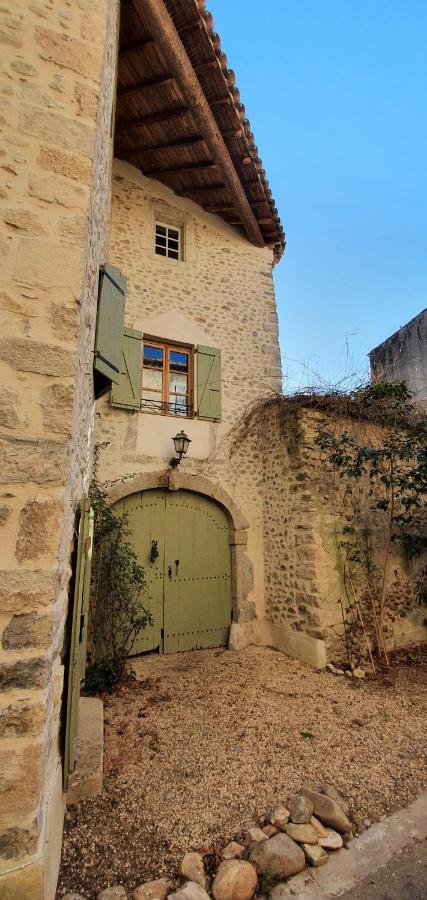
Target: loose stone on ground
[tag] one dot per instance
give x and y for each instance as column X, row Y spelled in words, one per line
column 112, row 893
column 193, row 869
column 331, row 841
column 190, row 891
column 302, row 834
column 330, row 791
column 279, row 817
column 328, row 811
column 72, row 896
column 320, row 830
column 255, row 836
column 315, row 854
column 270, row 830
column 235, row 880
column 300, row 809
column 153, row 890
column 279, row 855
column 233, row 850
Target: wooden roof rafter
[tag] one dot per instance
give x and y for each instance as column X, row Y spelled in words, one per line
column 134, row 47
column 180, row 170
column 159, row 23
column 187, row 144
column 206, row 189
column 164, row 115
column 180, row 118
column 141, row 86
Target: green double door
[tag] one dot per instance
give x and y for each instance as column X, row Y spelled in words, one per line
column 182, row 540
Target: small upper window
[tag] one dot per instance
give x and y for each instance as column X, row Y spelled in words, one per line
column 168, row 241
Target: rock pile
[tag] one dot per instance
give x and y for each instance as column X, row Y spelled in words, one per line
column 295, row 835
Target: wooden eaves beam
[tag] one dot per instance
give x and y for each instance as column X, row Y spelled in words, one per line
column 181, row 170
column 132, row 47
column 220, row 101
column 141, row 86
column 225, row 207
column 138, row 121
column 184, row 192
column 160, row 25
column 207, row 64
column 189, row 144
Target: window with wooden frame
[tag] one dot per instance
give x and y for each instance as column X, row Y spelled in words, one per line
column 167, row 379
column 168, row 241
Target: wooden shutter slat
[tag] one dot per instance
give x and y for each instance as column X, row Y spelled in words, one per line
column 127, row 393
column 109, row 325
column 209, row 383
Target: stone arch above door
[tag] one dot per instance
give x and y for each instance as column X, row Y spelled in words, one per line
column 242, row 578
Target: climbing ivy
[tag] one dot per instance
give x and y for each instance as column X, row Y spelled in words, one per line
column 394, row 461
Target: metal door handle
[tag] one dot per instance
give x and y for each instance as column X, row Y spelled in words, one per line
column 154, row 551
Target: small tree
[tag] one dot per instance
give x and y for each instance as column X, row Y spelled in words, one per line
column 118, row 588
column 395, row 462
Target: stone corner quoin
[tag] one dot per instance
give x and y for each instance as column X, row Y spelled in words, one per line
column 57, row 91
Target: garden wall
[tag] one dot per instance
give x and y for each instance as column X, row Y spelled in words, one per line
column 307, row 506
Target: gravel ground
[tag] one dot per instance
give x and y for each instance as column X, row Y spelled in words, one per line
column 206, row 742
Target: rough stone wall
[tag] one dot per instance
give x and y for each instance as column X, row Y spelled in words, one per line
column 292, row 591
column 220, row 295
column 403, row 357
column 307, row 507
column 57, row 85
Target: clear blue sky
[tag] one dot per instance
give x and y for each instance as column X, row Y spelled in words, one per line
column 336, row 95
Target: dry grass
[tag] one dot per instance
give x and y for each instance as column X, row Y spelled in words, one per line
column 205, row 744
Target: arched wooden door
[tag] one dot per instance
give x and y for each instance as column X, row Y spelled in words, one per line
column 182, row 540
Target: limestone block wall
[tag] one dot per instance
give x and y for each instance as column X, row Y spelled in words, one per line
column 57, row 85
column 307, row 506
column 221, row 294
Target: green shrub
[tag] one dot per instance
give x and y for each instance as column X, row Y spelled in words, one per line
column 118, row 613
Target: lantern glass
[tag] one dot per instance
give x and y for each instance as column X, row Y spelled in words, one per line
column 182, row 443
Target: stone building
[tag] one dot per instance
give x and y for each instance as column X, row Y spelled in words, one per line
column 138, row 236
column 194, row 233
column 403, row 357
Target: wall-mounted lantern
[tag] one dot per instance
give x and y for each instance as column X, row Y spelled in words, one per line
column 181, row 443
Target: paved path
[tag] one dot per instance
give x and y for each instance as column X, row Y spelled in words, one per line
column 404, row 878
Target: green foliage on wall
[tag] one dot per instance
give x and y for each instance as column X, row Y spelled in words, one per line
column 393, row 460
column 118, row 589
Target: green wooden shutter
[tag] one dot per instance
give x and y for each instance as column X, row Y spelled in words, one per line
column 109, row 324
column 209, row 383
column 127, row 393
column 79, row 629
